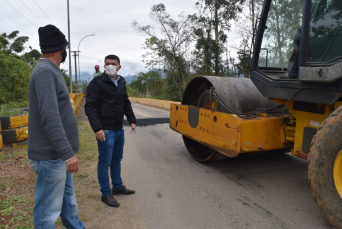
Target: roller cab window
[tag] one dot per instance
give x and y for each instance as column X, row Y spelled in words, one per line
column 325, row 33
column 319, row 60
column 280, row 42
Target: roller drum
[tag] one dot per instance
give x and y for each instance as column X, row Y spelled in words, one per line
column 239, row 94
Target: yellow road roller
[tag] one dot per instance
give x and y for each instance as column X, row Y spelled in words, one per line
column 291, row 102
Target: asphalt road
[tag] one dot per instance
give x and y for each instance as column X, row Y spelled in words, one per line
column 175, row 191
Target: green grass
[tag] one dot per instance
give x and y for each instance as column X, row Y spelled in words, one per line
column 2, row 187
column 16, row 218
column 16, row 209
column 94, row 196
column 12, row 108
column 81, row 175
column 87, row 144
column 16, row 203
column 17, row 154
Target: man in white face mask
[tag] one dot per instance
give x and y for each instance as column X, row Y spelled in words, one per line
column 111, row 69
column 106, row 104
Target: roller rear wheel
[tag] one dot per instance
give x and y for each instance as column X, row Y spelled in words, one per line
column 325, row 167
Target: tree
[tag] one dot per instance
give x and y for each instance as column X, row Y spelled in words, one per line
column 82, row 85
column 15, row 69
column 14, row 45
column 138, row 85
column 206, row 56
column 214, row 16
column 31, row 57
column 281, row 25
column 252, row 11
column 131, row 92
column 14, row 79
column 147, row 83
column 154, row 83
column 67, row 79
column 17, row 45
column 244, row 58
column 219, row 13
column 171, row 50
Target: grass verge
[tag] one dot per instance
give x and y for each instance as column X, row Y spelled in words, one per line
column 18, row 180
column 12, row 108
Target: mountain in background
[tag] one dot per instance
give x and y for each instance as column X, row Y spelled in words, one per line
column 85, row 76
column 88, row 77
column 129, row 78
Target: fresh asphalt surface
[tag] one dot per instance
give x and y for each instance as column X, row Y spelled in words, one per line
column 175, row 191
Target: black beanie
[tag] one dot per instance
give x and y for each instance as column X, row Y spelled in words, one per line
column 51, row 39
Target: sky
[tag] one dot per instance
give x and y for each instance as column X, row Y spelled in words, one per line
column 110, row 21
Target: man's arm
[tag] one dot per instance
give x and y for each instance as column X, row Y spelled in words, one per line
column 93, row 100
column 72, row 165
column 129, row 113
column 134, row 128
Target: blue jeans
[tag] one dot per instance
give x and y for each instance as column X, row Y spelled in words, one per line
column 54, row 195
column 110, row 155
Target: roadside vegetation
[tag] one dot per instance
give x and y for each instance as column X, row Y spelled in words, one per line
column 13, row 108
column 17, row 63
column 16, row 190
column 179, row 49
column 18, row 179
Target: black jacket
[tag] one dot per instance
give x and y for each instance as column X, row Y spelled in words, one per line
column 107, row 104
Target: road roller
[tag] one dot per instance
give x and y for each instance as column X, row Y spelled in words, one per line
column 290, row 103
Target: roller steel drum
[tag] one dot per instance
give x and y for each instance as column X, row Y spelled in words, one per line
column 239, row 94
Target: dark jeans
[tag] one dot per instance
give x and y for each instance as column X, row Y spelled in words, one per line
column 110, row 156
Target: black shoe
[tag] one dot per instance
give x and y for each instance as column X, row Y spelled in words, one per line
column 110, row 201
column 123, row 191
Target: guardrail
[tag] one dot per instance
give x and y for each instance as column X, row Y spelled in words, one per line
column 153, row 102
column 14, row 130
column 76, row 100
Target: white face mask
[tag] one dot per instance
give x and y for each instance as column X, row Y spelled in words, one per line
column 110, row 70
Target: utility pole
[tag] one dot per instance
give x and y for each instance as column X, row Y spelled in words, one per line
column 76, row 53
column 79, row 68
column 70, row 75
column 79, row 65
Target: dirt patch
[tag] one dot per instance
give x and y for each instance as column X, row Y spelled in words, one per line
column 16, row 189
column 93, row 212
column 17, row 182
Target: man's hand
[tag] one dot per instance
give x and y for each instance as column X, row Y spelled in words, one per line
column 133, row 128
column 100, row 135
column 72, row 165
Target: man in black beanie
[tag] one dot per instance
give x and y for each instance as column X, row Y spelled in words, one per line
column 53, row 136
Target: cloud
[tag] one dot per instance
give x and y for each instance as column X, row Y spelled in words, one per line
column 109, row 20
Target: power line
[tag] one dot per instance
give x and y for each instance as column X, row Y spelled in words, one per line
column 90, row 57
column 43, row 12
column 21, row 14
column 32, row 12
column 4, row 28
